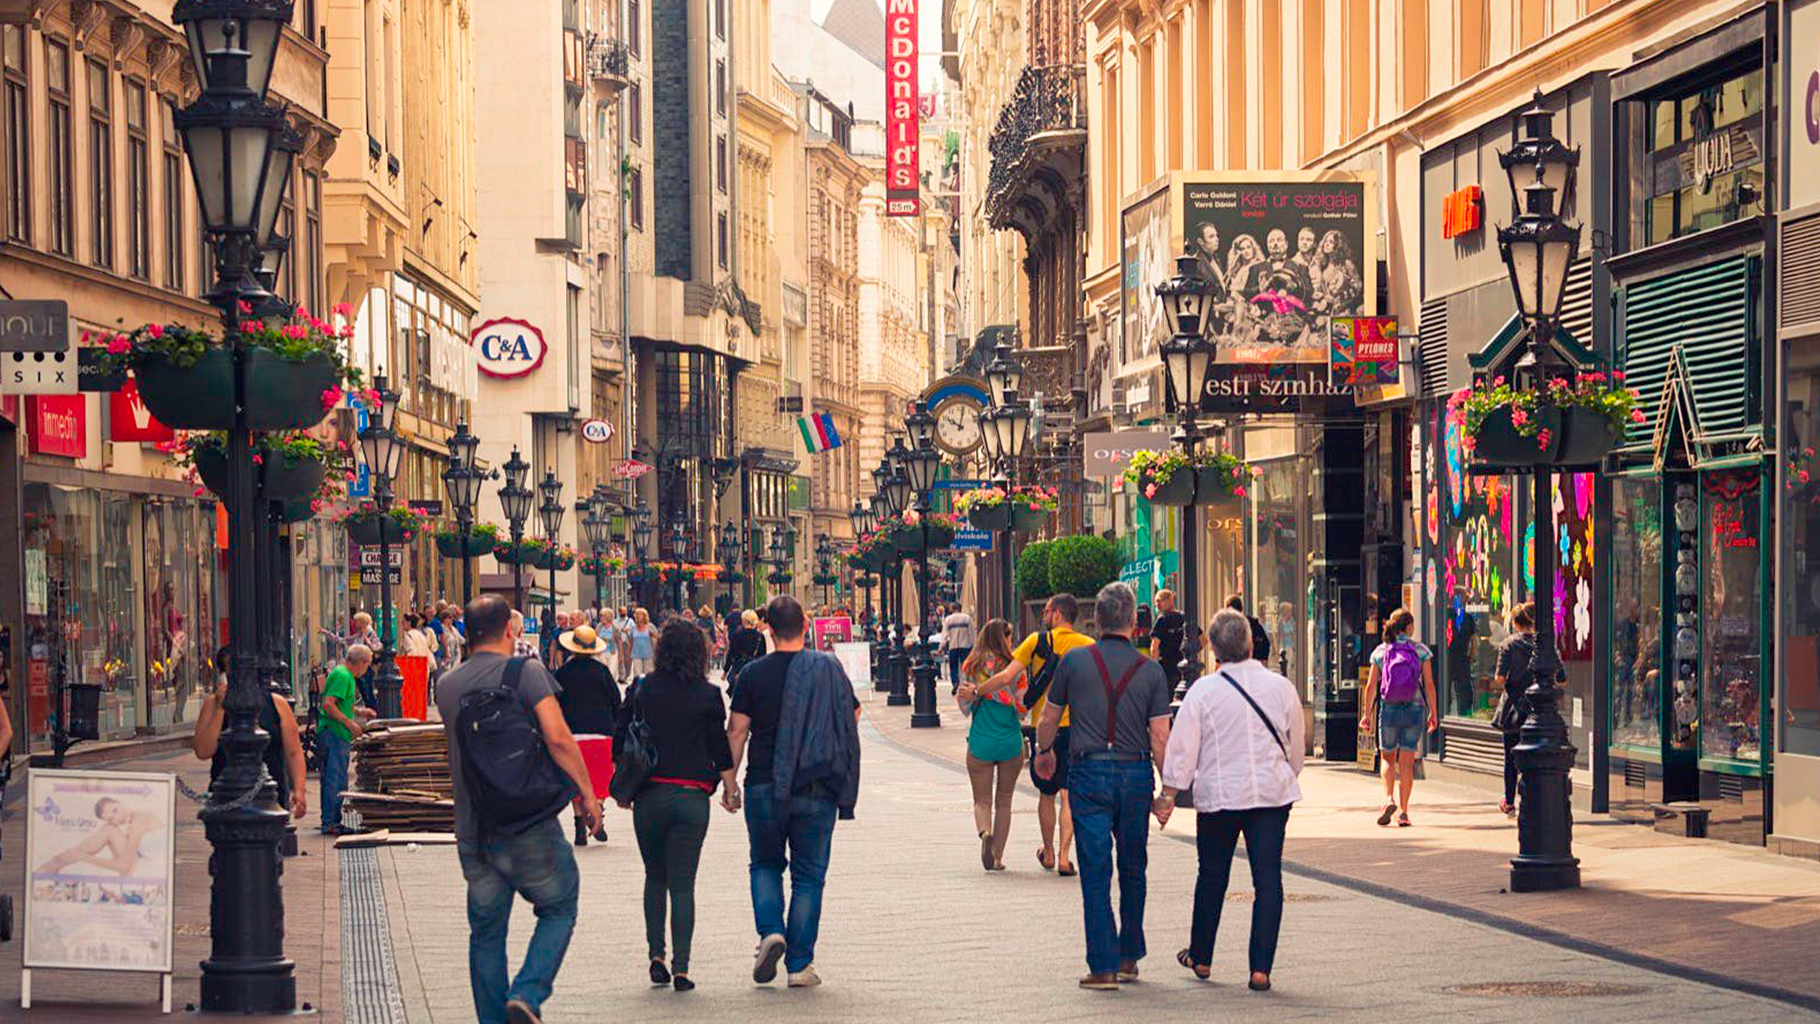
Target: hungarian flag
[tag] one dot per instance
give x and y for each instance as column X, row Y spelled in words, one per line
column 818, row 432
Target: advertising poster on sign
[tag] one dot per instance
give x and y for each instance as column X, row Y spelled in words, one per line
column 99, row 867
column 831, row 631
column 903, row 124
column 1364, row 351
column 1148, row 252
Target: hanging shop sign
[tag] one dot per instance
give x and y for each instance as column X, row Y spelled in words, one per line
column 128, row 419
column 630, row 469
column 99, row 850
column 1107, row 453
column 1284, row 387
column 1462, row 211
column 39, row 373
column 59, row 425
column 95, row 372
column 1364, row 351
column 903, row 131
column 596, row 431
column 506, row 347
column 34, row 325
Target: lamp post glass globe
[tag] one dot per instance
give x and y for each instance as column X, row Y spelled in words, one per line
column 1004, row 373
column 1537, row 151
column 1538, row 248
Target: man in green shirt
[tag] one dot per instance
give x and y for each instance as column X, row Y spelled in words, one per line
column 340, row 723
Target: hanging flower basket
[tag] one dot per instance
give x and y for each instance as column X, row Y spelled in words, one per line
column 825, row 579
column 286, row 394
column 367, row 525
column 1220, row 476
column 283, row 477
column 731, row 576
column 1028, row 519
column 1565, row 423
column 990, row 517
column 481, row 539
column 909, row 534
column 285, row 466
column 560, row 559
column 779, row 578
column 197, row 396
column 296, row 510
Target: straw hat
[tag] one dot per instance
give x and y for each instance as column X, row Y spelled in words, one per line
column 582, row 640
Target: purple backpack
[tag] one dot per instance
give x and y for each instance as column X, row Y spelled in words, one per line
column 1401, row 673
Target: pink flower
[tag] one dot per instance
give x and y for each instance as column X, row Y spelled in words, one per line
column 1802, row 476
column 1149, row 490
column 155, row 330
column 1543, row 437
column 331, row 396
column 251, row 326
column 347, row 331
column 342, row 309
column 258, row 459
column 1636, row 416
column 244, row 307
column 1518, row 417
column 118, row 345
column 316, row 505
column 350, row 475
column 1617, row 375
column 302, row 313
column 85, row 337
column 198, row 492
column 296, row 332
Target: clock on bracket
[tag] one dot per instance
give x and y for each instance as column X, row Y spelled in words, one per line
column 956, row 404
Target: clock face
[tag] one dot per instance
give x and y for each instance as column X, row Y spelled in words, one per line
column 957, row 426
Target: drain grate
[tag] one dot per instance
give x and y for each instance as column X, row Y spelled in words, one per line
column 1288, row 897
column 1545, row 990
column 369, row 974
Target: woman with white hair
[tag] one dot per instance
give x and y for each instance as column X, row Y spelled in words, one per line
column 1237, row 742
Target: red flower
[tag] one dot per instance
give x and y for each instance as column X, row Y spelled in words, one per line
column 155, row 330
column 244, row 308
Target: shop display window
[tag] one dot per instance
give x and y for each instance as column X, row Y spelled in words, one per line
column 1477, row 577
column 1636, row 612
column 1799, row 633
column 1732, row 619
column 1282, row 595
column 1703, row 157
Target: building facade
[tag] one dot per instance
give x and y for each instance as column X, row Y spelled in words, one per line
column 115, row 579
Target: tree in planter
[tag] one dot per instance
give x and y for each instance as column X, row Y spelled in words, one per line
column 1082, row 565
column 1031, row 574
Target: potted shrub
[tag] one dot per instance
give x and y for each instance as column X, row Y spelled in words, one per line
column 1566, row 423
column 295, row 371
column 779, row 578
column 1081, row 565
column 986, row 508
column 368, row 525
column 1031, row 573
column 480, row 539
column 1162, row 477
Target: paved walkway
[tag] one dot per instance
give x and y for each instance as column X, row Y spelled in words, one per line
column 1737, row 915
column 312, row 920
column 914, row 931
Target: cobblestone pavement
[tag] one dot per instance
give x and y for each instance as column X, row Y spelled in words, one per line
column 914, row 931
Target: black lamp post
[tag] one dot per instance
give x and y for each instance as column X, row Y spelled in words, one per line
column 1188, row 304
column 597, row 528
column 240, row 153
column 515, row 502
column 679, row 551
column 462, row 480
column 383, row 448
column 1538, row 248
column 921, row 465
column 1004, row 433
column 550, row 510
column 897, row 501
column 860, row 518
column 641, row 539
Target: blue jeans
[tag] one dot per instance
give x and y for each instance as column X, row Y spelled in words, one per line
column 804, row 827
column 539, row 866
column 332, row 766
column 1111, row 805
column 956, row 655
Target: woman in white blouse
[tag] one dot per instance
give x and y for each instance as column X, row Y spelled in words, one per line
column 1237, row 742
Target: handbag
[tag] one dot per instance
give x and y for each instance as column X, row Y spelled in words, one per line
column 634, row 758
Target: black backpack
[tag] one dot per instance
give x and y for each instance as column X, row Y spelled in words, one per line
column 509, row 775
column 1260, row 639
column 1042, row 677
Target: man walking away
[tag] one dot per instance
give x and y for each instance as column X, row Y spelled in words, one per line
column 342, row 720
column 797, row 710
column 1039, row 655
column 535, row 862
column 1120, row 704
column 1260, row 637
column 1238, row 743
column 1166, row 637
column 958, row 637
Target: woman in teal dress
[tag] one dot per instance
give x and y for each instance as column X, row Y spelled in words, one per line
column 995, row 740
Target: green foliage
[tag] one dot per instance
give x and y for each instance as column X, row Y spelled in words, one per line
column 1082, row 565
column 1031, row 573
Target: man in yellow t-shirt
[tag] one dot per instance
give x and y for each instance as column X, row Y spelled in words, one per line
column 1052, row 807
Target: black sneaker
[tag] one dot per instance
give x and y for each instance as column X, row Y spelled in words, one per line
column 519, row 1012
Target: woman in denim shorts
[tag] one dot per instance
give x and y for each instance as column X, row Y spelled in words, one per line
column 1401, row 719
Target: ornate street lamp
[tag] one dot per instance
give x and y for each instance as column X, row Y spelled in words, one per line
column 920, row 467
column 641, row 536
column 550, row 511
column 383, row 449
column 1004, row 374
column 515, row 502
column 1188, row 304
column 1004, row 433
column 462, row 480
column 597, row 527
column 1538, row 247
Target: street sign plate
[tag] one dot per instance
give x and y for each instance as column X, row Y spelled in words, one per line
column 959, row 485
column 35, row 325
column 431, row 507
column 38, row 373
column 370, row 576
column 971, row 540
column 369, row 556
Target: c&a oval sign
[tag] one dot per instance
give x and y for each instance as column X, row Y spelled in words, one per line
column 508, row 347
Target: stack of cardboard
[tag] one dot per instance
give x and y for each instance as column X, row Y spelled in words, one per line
column 401, row 779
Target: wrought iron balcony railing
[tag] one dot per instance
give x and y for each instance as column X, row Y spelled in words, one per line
column 607, row 58
column 1046, row 100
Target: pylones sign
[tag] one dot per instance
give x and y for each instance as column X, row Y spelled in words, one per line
column 902, row 114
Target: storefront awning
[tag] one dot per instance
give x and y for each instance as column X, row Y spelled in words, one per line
column 1685, row 340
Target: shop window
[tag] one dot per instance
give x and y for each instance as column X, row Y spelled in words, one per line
column 1732, row 620
column 1799, row 629
column 1703, row 157
column 1636, row 612
column 15, row 129
column 1279, row 598
column 1477, row 578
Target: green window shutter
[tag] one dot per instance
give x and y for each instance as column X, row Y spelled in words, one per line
column 1704, row 314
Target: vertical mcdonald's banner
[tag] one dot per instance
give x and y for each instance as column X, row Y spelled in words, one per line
column 902, row 117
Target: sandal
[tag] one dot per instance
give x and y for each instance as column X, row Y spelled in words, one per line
column 1258, row 986
column 1403, row 820
column 1390, row 811
column 1066, row 871
column 1046, row 859
column 1201, row 971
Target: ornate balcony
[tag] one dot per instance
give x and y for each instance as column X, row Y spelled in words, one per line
column 1038, row 147
column 608, row 61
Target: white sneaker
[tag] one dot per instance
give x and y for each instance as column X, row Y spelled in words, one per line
column 805, row 978
column 770, row 951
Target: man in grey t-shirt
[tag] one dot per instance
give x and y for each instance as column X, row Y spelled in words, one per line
column 536, row 862
column 1118, row 702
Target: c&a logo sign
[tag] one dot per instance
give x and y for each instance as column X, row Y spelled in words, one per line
column 508, row 347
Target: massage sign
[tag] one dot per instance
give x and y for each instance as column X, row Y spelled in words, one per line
column 506, row 347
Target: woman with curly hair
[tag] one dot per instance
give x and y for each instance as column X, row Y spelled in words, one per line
column 687, row 720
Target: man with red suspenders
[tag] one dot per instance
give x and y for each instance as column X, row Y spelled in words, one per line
column 1119, row 702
